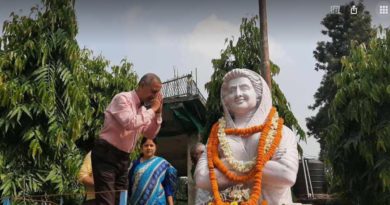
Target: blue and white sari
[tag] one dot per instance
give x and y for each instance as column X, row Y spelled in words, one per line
column 151, row 182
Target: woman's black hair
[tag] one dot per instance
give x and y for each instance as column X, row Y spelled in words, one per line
column 143, row 140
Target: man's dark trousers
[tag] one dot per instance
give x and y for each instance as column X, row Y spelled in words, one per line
column 110, row 172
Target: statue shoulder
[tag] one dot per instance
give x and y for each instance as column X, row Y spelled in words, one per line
column 288, row 136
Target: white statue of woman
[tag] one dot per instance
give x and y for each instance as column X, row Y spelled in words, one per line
column 247, row 102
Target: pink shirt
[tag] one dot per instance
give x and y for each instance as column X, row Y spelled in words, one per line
column 125, row 119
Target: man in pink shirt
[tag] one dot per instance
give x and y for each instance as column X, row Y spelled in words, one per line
column 126, row 118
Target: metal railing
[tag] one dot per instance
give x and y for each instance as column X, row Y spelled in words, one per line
column 183, row 86
column 306, row 174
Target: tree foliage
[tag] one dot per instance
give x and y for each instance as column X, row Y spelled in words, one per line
column 102, row 86
column 43, row 103
column 52, row 95
column 246, row 53
column 342, row 29
column 357, row 140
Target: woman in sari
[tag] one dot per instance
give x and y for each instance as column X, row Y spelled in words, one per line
column 152, row 179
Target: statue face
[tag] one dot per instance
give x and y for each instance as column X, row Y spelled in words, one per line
column 240, row 96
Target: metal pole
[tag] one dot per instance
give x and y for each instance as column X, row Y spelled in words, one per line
column 265, row 69
column 305, row 176
column 123, row 198
column 6, row 201
column 196, row 76
column 310, row 185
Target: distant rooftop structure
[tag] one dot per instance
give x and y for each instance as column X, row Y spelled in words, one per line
column 181, row 89
column 184, row 118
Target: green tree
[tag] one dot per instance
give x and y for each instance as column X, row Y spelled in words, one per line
column 247, row 55
column 342, row 29
column 52, row 95
column 357, row 140
column 43, row 103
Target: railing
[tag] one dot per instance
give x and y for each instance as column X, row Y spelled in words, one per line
column 182, row 87
column 306, row 173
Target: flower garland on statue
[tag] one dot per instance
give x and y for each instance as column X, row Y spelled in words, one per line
column 237, row 165
column 262, row 157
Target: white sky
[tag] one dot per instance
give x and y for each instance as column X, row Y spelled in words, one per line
column 158, row 36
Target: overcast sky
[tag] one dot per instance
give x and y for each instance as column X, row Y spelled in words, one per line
column 160, row 35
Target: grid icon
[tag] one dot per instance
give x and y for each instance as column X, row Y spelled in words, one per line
column 383, row 9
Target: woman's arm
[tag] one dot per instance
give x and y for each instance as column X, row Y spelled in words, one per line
column 169, row 184
column 170, row 200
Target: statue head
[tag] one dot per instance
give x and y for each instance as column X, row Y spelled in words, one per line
column 241, row 91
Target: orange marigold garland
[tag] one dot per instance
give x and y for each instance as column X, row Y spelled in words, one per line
column 244, row 131
column 256, row 172
column 231, row 175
